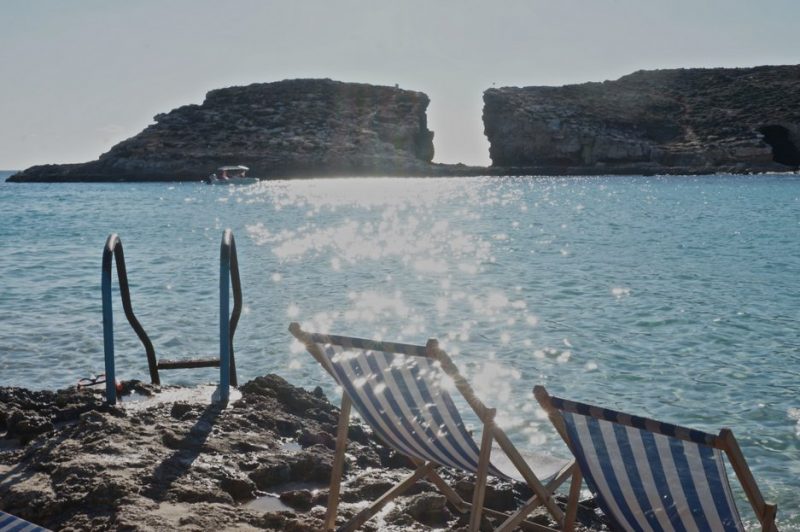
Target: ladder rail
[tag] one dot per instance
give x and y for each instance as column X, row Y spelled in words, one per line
column 228, row 275
column 113, row 249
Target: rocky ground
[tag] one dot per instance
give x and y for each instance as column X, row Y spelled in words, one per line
column 69, row 462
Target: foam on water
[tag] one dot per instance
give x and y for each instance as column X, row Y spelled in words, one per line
column 675, row 298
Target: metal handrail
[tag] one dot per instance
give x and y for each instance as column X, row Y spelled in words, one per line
column 228, row 275
column 113, row 248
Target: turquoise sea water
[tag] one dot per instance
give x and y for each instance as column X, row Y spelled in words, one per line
column 675, row 298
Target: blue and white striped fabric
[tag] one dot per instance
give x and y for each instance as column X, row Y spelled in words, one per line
column 644, row 477
column 11, row 523
column 401, row 396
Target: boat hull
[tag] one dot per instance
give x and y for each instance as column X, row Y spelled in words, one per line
column 232, row 181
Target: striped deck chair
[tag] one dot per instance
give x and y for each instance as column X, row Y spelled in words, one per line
column 12, row 523
column 397, row 389
column 648, row 475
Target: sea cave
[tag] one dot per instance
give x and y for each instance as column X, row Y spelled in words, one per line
column 784, row 150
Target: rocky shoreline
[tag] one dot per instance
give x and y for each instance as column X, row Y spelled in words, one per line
column 166, row 459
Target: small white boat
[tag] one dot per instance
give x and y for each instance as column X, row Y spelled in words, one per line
column 231, row 175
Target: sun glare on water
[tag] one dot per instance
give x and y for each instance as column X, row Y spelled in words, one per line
column 626, row 292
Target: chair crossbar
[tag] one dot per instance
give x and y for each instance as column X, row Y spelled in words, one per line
column 642, row 423
column 373, row 345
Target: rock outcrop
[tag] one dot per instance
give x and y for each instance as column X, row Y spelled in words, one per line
column 174, row 462
column 696, row 121
column 670, row 121
column 288, row 128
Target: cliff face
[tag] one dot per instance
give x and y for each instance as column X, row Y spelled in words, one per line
column 286, row 128
column 696, row 120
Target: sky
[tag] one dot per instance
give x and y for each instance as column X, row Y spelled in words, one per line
column 78, row 76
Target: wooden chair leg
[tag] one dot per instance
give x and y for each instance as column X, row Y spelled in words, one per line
column 768, row 519
column 483, row 469
column 338, row 463
column 572, row 503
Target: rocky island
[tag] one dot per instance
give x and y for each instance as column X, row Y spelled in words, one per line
column 291, row 128
column 680, row 121
column 696, row 121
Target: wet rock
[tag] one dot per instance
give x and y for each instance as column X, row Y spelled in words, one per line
column 287, row 426
column 299, row 499
column 313, row 464
column 271, row 474
column 246, row 465
column 202, row 493
column 399, row 517
column 288, row 522
column 240, row 488
column 98, row 424
column 499, row 495
column 308, row 438
column 273, row 521
column 366, row 457
column 357, row 433
column 393, row 459
column 367, row 489
column 372, row 483
column 33, row 499
column 319, row 498
column 25, row 426
column 138, row 387
column 106, row 492
column 428, row 508
column 180, row 409
column 62, row 406
column 172, row 440
column 293, row 400
column 247, row 446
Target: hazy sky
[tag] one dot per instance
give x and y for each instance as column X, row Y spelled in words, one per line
column 78, row 76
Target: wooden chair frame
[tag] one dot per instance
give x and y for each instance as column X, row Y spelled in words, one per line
column 765, row 512
column 543, row 493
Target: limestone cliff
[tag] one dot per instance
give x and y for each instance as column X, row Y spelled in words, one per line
column 281, row 129
column 693, row 120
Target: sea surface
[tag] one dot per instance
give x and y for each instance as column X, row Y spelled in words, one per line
column 671, row 297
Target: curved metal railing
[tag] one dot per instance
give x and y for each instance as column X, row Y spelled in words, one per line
column 113, row 248
column 228, row 275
